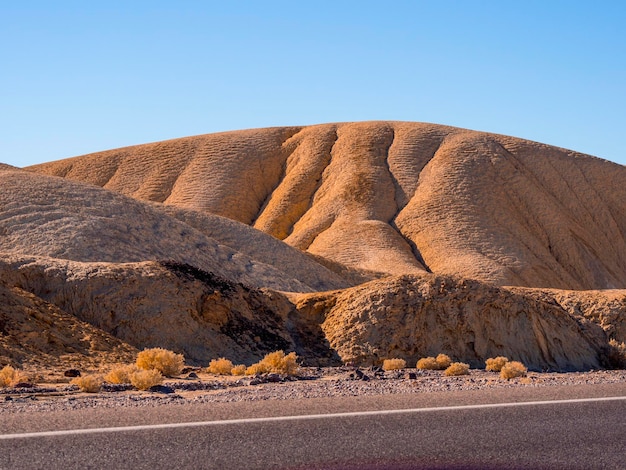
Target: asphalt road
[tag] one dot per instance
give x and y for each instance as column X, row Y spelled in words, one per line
column 427, row 431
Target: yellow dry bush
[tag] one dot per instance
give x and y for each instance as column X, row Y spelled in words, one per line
column 91, row 383
column 429, row 363
column 144, row 379
column 276, row 362
column 443, row 361
column 238, row 370
column 457, row 368
column 120, row 374
column 255, row 369
column 221, row 366
column 513, row 369
column 394, row 364
column 10, row 376
column 166, row 362
column 495, row 364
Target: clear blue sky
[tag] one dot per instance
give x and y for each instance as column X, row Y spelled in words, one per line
column 78, row 77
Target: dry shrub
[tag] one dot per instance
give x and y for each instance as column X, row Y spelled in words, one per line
column 239, row 369
column 120, row 374
column 513, row 369
column 166, row 362
column 457, row 368
column 443, row 361
column 276, row 362
column 495, row 364
column 10, row 376
column 144, row 379
column 394, row 364
column 91, row 383
column 428, row 363
column 221, row 366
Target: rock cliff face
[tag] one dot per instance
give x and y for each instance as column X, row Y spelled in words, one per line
column 343, row 242
column 417, row 316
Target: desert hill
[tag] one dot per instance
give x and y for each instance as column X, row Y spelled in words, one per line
column 394, row 198
column 343, row 242
column 57, row 218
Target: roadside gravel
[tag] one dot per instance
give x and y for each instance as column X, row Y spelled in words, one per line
column 312, row 383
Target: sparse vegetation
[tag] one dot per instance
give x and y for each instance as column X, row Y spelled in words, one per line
column 427, row 363
column 513, row 369
column 441, row 362
column 121, row 374
column 9, row 376
column 239, row 370
column 167, row 362
column 145, row 378
column 221, row 366
column 276, row 362
column 394, row 364
column 457, row 368
column 90, row 383
column 495, row 364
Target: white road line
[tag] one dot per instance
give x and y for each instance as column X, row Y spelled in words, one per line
column 147, row 427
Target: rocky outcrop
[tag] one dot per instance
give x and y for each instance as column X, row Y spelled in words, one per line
column 37, row 334
column 170, row 305
column 411, row 317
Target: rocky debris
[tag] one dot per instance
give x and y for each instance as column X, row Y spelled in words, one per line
column 72, row 373
column 165, row 389
column 329, row 382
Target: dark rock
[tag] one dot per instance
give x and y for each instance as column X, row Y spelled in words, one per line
column 411, row 376
column 273, row 378
column 192, row 375
column 72, row 373
column 8, row 398
column 256, row 381
column 359, row 373
column 23, row 385
column 161, row 389
column 365, row 378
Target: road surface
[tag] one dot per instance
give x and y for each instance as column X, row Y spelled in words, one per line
column 581, row 427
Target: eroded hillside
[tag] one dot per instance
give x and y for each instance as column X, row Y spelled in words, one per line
column 343, row 242
column 395, row 198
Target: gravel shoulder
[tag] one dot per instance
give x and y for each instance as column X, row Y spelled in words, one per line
column 198, row 387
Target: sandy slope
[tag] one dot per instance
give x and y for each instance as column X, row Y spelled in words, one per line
column 57, row 218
